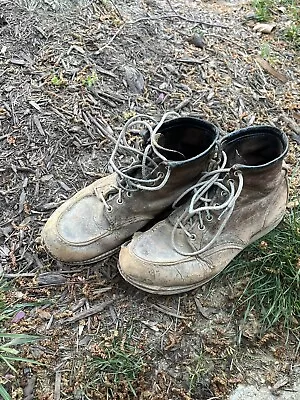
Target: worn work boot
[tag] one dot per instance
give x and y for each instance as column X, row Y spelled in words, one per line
column 228, row 209
column 164, row 161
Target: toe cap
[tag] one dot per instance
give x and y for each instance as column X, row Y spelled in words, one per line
column 150, row 263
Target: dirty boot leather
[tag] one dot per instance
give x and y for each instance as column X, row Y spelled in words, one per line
column 228, row 209
column 165, row 160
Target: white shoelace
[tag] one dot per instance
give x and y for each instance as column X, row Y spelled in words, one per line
column 201, row 206
column 142, row 160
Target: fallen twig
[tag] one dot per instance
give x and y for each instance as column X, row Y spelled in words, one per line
column 106, row 131
column 267, row 67
column 111, row 39
column 57, row 385
column 85, row 314
column 192, row 60
column 168, row 311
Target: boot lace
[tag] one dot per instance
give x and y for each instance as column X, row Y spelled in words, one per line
column 144, row 170
column 202, row 205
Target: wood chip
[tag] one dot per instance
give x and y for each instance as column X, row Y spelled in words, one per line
column 17, row 61
column 151, row 325
column 202, row 310
column 51, row 278
column 79, row 49
column 134, row 79
column 35, row 105
column 192, row 60
column 267, row 67
column 50, row 206
column 182, row 104
column 279, row 384
column 28, row 391
column 38, row 125
column 57, row 385
column 206, row 312
column 102, row 290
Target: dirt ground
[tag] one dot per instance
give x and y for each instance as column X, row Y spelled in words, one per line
column 70, row 73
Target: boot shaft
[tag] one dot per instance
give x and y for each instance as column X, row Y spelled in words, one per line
column 182, row 153
column 257, row 152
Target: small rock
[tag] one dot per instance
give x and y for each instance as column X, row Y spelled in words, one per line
column 197, row 40
column 250, row 15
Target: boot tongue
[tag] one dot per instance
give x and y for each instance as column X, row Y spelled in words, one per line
column 237, row 158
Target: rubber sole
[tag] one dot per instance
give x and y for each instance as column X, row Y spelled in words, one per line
column 94, row 260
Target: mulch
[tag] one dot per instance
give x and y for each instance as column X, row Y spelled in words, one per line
column 71, row 74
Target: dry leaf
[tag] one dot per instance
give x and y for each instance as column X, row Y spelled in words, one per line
column 17, row 317
column 264, row 28
column 134, row 79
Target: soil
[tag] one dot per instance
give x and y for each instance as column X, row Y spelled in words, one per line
column 71, row 73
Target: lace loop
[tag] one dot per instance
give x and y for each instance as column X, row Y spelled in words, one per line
column 144, row 172
column 143, row 161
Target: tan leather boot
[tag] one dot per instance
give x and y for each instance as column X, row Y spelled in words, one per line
column 164, row 161
column 228, row 209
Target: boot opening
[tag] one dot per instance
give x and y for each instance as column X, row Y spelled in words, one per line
column 186, row 138
column 254, row 149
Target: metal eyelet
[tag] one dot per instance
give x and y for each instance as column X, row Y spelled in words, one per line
column 193, row 237
column 223, row 193
column 119, row 201
column 128, row 194
column 201, row 228
column 209, row 218
column 109, row 209
column 160, row 175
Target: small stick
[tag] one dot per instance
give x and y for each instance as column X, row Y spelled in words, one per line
column 85, row 314
column 167, row 311
column 57, row 385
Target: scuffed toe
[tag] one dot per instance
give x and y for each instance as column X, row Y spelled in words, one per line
column 150, row 263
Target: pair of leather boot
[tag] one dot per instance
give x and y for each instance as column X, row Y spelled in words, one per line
column 211, row 197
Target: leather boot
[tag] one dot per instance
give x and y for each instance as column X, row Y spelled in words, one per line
column 228, row 209
column 162, row 162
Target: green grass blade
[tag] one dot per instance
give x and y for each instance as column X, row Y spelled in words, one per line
column 3, row 393
column 21, row 359
column 6, row 349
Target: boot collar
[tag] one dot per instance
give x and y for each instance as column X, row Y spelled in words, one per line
column 255, row 147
